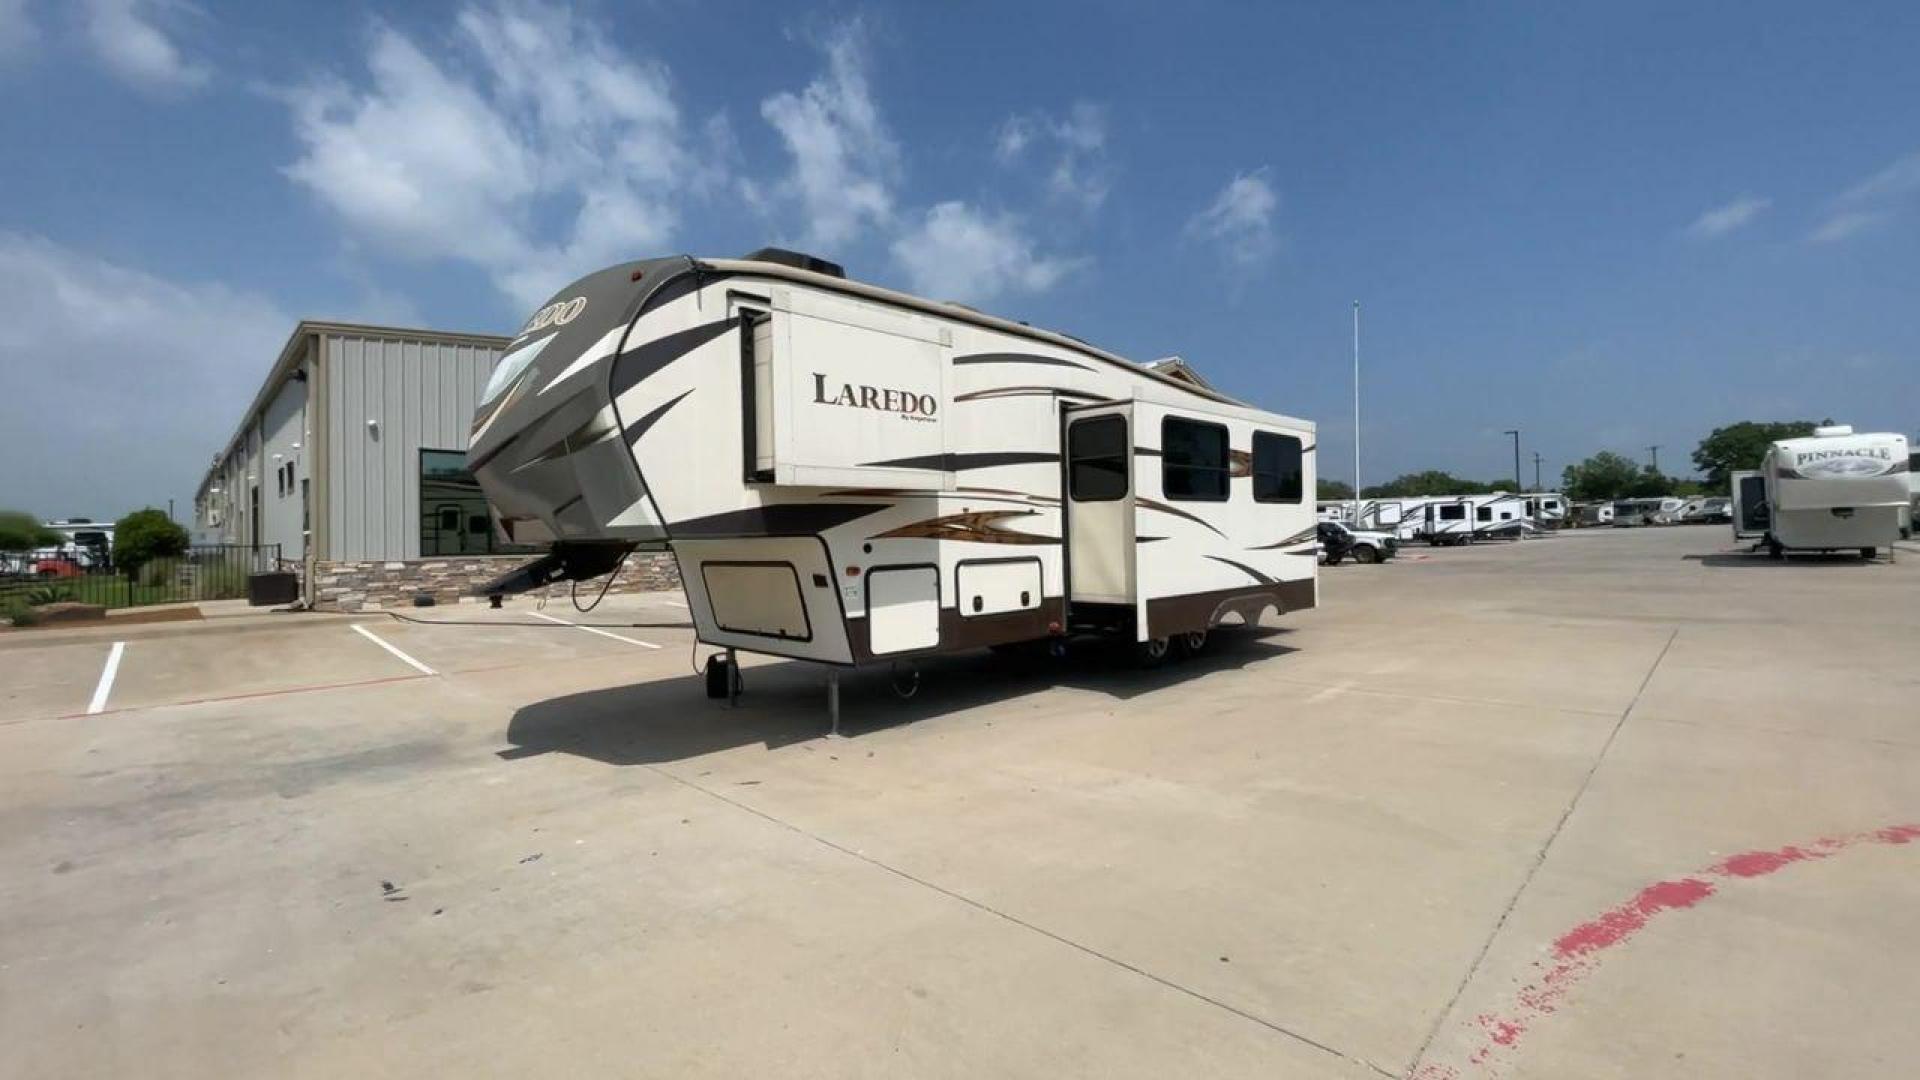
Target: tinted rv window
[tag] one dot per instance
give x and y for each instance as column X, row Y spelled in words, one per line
column 1097, row 453
column 1482, row 513
column 1453, row 512
column 1193, row 460
column 1276, row 468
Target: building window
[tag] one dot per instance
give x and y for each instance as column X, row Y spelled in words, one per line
column 454, row 519
column 1193, row 460
column 1276, row 468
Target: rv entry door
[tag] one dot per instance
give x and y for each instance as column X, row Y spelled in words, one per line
column 1099, row 504
column 1752, row 517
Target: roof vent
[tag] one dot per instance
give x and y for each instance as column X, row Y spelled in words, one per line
column 797, row 260
column 1830, row 430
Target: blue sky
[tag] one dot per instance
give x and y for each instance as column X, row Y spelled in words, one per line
column 1611, row 226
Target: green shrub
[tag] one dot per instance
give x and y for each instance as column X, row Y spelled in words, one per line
column 47, row 594
column 19, row 616
column 146, row 535
column 159, row 574
column 21, row 531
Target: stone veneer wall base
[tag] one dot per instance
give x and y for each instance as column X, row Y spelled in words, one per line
column 366, row 586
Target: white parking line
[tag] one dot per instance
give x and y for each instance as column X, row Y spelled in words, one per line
column 375, row 638
column 100, row 692
column 673, row 603
column 596, row 630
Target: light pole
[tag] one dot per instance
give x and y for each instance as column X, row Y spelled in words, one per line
column 1356, row 411
column 1655, row 451
column 1516, row 458
column 1536, row 470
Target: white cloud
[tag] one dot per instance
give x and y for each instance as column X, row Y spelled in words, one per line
column 19, row 33
column 1077, row 169
column 122, row 384
column 1239, row 221
column 1844, row 224
column 1724, row 219
column 500, row 155
column 131, row 38
column 959, row 253
column 1871, row 203
column 1898, row 180
column 844, row 161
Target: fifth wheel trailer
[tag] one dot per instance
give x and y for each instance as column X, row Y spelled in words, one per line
column 848, row 474
column 1831, row 491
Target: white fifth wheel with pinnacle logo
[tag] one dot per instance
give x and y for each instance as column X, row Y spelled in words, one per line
column 848, row 474
column 1832, row 491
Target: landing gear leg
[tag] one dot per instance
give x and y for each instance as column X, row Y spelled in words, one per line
column 733, row 680
column 833, row 700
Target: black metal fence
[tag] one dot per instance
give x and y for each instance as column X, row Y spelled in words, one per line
column 204, row 572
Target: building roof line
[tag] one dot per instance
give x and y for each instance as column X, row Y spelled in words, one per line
column 289, row 358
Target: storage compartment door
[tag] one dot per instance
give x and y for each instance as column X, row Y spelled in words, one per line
column 997, row 587
column 903, row 609
column 757, row 598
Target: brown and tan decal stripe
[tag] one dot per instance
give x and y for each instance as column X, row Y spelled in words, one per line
column 978, row 526
column 1301, row 537
column 1019, row 358
column 1176, row 512
column 1026, row 391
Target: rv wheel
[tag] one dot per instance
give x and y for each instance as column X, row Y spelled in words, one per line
column 1151, row 652
column 1775, row 550
column 1866, row 553
column 1193, row 642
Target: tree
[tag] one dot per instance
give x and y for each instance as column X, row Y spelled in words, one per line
column 146, row 535
column 1604, row 476
column 21, row 531
column 1332, row 490
column 1430, row 482
column 1741, row 446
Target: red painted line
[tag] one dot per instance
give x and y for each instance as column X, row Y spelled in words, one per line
column 1578, row 952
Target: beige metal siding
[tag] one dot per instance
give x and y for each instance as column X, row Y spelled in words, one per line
column 421, row 393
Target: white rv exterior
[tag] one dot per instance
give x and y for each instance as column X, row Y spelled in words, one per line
column 1836, row 491
column 1659, row 510
column 1548, row 509
column 848, row 474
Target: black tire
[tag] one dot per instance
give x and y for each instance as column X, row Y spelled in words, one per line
column 1191, row 643
column 1334, row 557
column 1152, row 652
column 1867, row 554
column 1774, row 549
column 1365, row 553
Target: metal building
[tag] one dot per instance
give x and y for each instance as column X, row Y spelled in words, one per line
column 353, row 453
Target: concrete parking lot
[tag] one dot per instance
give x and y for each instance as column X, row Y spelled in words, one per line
column 1610, row 804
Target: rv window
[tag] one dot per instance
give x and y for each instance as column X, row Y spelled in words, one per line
column 1276, row 468
column 1193, row 460
column 1097, row 453
column 1453, row 512
column 1483, row 513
